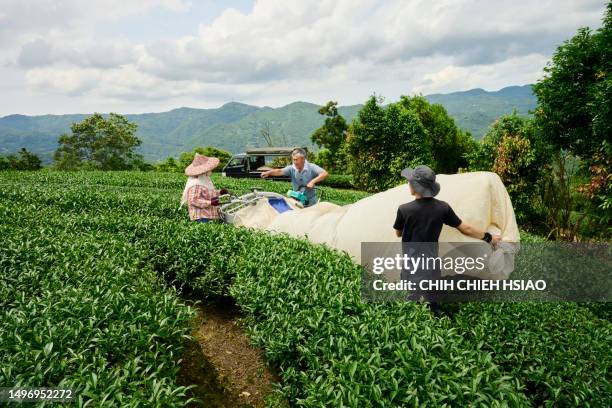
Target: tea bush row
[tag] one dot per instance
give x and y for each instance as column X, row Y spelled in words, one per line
column 78, row 310
column 302, row 306
column 164, row 184
column 558, row 351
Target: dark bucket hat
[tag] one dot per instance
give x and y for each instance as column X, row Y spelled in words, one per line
column 423, row 180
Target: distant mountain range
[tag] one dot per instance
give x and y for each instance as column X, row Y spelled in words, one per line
column 236, row 126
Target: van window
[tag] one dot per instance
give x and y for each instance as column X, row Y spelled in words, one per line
column 236, row 162
column 267, row 162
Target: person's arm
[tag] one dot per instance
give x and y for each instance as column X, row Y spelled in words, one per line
column 452, row 220
column 470, row 231
column 317, row 179
column 273, row 172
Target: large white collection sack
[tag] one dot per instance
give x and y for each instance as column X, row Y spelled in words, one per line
column 478, row 198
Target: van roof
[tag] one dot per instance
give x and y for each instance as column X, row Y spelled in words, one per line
column 272, row 150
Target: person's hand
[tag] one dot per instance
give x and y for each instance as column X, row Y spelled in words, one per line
column 495, row 239
column 265, row 174
column 214, row 201
column 310, row 185
column 223, row 191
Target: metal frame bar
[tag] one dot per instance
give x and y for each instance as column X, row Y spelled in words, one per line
column 228, row 210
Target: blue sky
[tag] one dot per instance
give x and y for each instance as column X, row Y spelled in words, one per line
column 134, row 56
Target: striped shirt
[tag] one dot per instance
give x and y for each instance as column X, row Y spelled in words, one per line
column 198, row 198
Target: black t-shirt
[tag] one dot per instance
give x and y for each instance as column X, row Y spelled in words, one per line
column 421, row 220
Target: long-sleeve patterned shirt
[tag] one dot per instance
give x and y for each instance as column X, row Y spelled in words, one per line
column 199, row 203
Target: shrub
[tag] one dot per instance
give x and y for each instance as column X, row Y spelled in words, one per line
column 513, row 149
column 78, row 311
column 559, row 352
column 96, row 255
column 338, row 181
column 384, row 140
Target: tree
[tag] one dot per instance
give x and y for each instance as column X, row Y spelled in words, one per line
column 383, row 141
column 24, row 161
column 186, row 158
column 567, row 96
column 450, row 145
column 331, row 136
column 270, row 139
column 598, row 189
column 574, row 110
column 169, row 166
column 514, row 150
column 28, row 161
column 99, row 143
column 575, row 94
column 266, row 133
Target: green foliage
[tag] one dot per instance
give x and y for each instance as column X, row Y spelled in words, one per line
column 384, row 140
column 575, row 95
column 338, row 181
column 186, row 158
column 235, row 126
column 25, row 161
column 99, row 143
column 78, row 310
column 331, row 136
column 598, row 190
column 561, row 199
column 543, row 346
column 303, row 306
column 574, row 115
column 602, row 310
column 92, row 266
column 172, row 165
column 449, row 144
column 514, row 150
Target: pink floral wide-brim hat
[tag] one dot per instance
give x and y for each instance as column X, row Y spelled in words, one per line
column 201, row 164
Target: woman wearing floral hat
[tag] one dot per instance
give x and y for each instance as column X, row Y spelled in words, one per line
column 200, row 193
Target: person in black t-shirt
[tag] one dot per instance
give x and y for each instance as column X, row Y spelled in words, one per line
column 421, row 221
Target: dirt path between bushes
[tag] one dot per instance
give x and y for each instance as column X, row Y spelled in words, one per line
column 227, row 370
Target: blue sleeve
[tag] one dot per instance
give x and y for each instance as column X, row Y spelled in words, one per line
column 316, row 170
column 288, row 171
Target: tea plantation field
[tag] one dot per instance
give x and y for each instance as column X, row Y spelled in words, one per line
column 94, row 267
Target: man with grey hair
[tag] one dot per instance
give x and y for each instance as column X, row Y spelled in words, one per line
column 302, row 173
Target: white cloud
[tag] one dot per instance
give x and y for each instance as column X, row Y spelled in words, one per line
column 285, row 51
column 71, row 81
column 521, row 70
column 41, row 53
column 26, row 20
column 289, row 40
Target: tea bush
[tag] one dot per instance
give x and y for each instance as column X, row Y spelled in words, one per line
column 82, row 304
column 303, row 306
column 77, row 310
column 559, row 352
column 339, row 181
